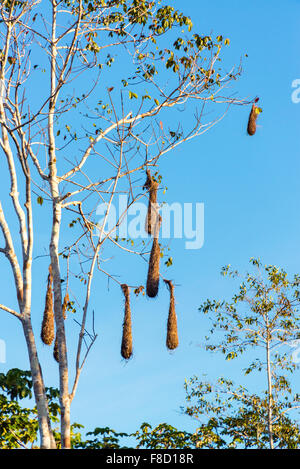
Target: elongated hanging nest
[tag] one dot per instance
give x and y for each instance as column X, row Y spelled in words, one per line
column 251, row 129
column 172, row 332
column 153, row 268
column 126, row 347
column 47, row 332
column 152, row 213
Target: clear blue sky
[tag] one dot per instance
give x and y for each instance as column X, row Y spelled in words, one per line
column 251, row 191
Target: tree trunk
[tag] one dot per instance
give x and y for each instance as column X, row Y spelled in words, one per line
column 270, row 397
column 46, row 436
column 54, row 250
column 59, row 321
column 60, row 329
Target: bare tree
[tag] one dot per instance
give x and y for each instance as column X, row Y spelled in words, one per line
column 62, row 108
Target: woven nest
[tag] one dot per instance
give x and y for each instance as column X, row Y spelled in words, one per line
column 154, row 262
column 126, row 346
column 152, row 213
column 172, row 331
column 47, row 332
column 251, row 129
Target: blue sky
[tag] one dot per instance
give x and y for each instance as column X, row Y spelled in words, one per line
column 250, row 188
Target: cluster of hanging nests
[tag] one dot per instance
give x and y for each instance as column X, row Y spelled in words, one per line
column 48, row 326
column 152, row 226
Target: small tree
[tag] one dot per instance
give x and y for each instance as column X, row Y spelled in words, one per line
column 63, row 115
column 262, row 318
column 232, row 417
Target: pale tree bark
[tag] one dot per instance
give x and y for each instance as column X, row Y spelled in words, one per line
column 23, row 279
column 47, row 440
column 24, row 292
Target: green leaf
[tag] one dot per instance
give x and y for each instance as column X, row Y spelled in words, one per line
column 132, row 95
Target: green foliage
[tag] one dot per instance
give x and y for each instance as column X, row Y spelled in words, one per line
column 137, row 12
column 163, row 436
column 237, row 418
column 264, row 308
column 104, row 438
column 146, row 22
column 233, row 418
column 263, row 318
column 132, row 95
column 18, row 424
column 17, row 384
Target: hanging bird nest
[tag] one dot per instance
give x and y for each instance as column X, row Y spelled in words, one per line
column 153, row 268
column 126, row 347
column 172, row 332
column 255, row 111
column 47, row 332
column 152, row 213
